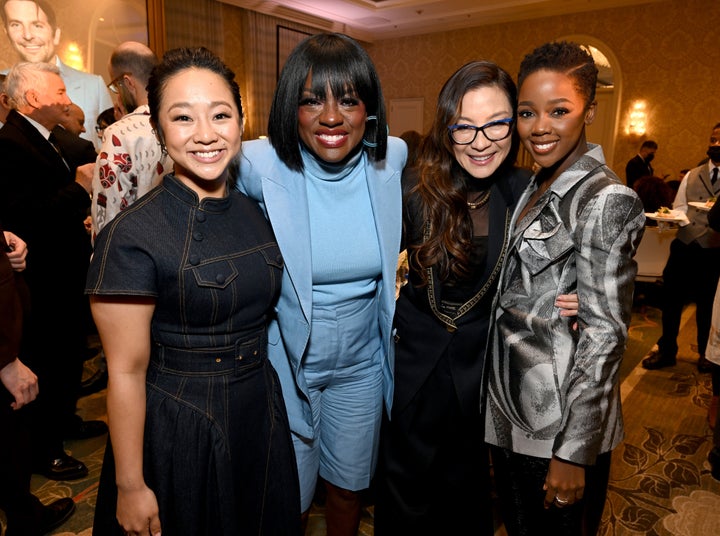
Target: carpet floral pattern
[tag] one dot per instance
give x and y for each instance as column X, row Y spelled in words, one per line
column 660, row 482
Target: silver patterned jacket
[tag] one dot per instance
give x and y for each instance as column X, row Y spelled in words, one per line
column 553, row 390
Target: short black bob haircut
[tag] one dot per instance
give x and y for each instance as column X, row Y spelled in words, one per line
column 340, row 63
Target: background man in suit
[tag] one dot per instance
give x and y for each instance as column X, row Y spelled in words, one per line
column 639, row 165
column 45, row 202
column 74, row 120
column 76, row 150
column 693, row 267
column 18, row 386
column 32, row 29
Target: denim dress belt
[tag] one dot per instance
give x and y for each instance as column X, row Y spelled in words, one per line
column 247, row 351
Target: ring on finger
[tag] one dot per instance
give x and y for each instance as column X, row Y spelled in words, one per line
column 562, row 502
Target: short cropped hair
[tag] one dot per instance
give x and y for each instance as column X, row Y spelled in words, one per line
column 563, row 57
column 24, row 76
column 649, row 144
column 138, row 63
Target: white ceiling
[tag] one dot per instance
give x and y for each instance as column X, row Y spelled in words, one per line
column 372, row 20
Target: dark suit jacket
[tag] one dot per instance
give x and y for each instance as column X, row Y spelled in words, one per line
column 636, row 168
column 10, row 309
column 423, row 335
column 41, row 202
column 76, row 150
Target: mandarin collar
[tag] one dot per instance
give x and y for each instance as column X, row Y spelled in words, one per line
column 186, row 195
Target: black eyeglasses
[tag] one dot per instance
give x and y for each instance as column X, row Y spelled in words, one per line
column 493, row 131
column 113, row 85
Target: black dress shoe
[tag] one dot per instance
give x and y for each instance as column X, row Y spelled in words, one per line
column 64, row 468
column 56, row 513
column 704, row 365
column 656, row 360
column 80, row 429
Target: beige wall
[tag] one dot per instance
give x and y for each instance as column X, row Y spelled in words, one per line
column 668, row 54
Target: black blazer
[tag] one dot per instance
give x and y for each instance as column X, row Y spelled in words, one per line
column 76, row 150
column 41, row 202
column 636, row 168
column 422, row 336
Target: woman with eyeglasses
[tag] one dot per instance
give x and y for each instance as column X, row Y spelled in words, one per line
column 433, row 475
column 104, row 120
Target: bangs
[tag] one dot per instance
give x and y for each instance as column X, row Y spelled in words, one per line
column 343, row 77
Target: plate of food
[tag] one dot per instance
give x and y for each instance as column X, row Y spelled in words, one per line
column 666, row 214
column 702, row 205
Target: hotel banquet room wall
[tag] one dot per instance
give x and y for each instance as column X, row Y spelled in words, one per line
column 668, row 54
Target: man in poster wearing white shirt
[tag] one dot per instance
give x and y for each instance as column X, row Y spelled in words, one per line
column 32, row 29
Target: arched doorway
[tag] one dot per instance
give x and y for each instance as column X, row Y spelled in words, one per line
column 603, row 130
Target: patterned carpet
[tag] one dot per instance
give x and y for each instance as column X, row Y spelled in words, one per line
column 660, row 481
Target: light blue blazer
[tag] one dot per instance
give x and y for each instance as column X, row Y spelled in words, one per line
column 282, row 196
column 88, row 91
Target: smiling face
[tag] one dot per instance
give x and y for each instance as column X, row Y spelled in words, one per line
column 480, row 106
column 30, row 32
column 552, row 115
column 201, row 128
column 330, row 127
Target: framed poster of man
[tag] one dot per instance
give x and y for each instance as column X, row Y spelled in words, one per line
column 76, row 35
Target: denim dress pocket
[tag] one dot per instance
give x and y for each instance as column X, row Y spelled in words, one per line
column 217, row 274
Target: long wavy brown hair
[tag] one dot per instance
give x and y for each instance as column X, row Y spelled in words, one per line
column 442, row 192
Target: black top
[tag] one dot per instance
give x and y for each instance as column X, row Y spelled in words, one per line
column 425, row 330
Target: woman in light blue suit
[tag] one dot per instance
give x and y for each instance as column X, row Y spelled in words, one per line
column 328, row 179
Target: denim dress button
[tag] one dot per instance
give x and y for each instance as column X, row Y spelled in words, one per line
column 220, row 279
column 194, row 260
column 198, row 236
column 200, row 216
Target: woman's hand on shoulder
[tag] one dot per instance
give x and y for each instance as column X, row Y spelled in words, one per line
column 137, row 511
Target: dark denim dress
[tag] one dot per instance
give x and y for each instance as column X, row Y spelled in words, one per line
column 217, row 449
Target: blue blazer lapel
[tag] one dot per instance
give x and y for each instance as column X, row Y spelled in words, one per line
column 286, row 199
column 386, row 201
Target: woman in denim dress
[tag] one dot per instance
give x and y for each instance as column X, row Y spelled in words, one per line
column 182, row 285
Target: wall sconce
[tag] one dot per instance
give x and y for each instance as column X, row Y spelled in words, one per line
column 637, row 119
column 73, row 57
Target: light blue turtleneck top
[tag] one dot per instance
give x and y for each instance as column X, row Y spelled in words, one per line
column 346, row 260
